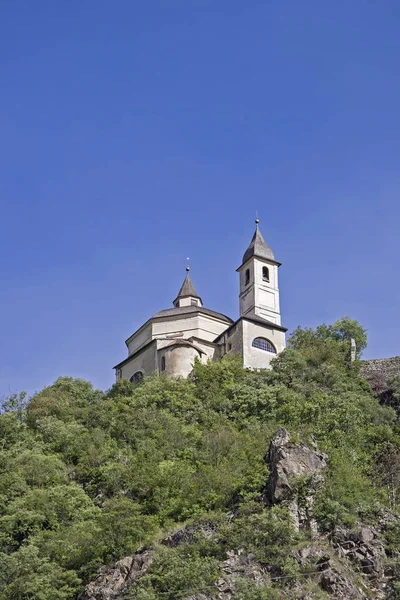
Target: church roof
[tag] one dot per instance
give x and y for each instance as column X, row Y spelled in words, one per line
column 187, row 288
column 258, row 247
column 182, row 310
column 253, row 318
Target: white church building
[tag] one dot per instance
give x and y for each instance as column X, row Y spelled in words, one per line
column 173, row 338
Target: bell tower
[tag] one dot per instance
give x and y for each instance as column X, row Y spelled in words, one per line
column 259, row 290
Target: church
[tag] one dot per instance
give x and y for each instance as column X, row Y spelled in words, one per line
column 173, row 338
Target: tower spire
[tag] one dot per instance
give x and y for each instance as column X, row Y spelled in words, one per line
column 258, row 247
column 187, row 293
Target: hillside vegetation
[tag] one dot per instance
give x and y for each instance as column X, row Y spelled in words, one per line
column 87, row 478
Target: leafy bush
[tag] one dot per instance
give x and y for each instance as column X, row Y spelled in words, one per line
column 176, row 573
column 267, row 534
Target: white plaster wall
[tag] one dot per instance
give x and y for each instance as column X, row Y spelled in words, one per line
column 210, row 328
column 185, row 327
column 143, row 337
column 246, row 294
column 247, row 300
column 179, row 360
column 208, row 349
column 232, row 343
column 198, row 325
column 146, row 362
column 254, row 358
column 188, row 301
column 201, row 326
column 259, row 295
column 267, row 292
column 265, row 314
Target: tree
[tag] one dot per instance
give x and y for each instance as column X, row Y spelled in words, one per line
column 345, row 328
column 342, row 330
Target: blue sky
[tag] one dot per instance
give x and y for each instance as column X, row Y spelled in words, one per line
column 134, row 134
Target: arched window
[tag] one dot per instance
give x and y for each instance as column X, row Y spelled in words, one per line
column 136, row 377
column 263, row 344
column 265, row 274
column 247, row 277
column 163, row 363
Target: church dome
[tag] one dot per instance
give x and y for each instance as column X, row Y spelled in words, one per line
column 258, row 247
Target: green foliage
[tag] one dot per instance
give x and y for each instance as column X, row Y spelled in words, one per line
column 341, row 331
column 25, row 574
column 16, row 405
column 392, row 538
column 88, row 477
column 393, row 393
column 67, row 399
column 177, row 572
column 266, row 534
column 124, row 528
column 248, row 590
column 394, row 384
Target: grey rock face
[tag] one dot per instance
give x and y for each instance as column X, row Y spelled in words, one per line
column 289, row 464
column 339, row 587
column 187, row 535
column 363, row 548
column 111, row 582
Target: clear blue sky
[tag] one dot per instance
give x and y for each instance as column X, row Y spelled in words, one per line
column 134, row 134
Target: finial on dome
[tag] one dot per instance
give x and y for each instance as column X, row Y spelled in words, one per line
column 188, row 266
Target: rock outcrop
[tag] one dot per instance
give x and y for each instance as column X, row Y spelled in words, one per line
column 365, row 550
column 295, row 475
column 346, row 565
column 340, row 587
column 187, row 535
column 112, row 582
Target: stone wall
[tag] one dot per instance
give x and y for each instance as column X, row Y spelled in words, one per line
column 388, row 367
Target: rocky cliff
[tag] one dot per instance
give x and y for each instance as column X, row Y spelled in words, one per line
column 346, row 564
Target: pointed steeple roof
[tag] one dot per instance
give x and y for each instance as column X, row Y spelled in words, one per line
column 258, row 247
column 187, row 290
